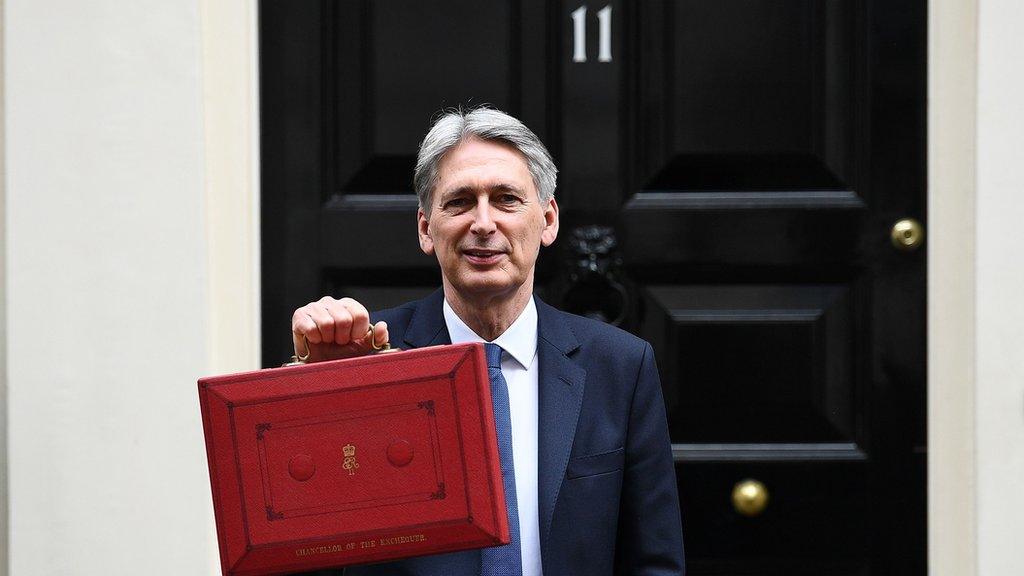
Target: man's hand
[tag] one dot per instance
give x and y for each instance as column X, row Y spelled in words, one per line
column 335, row 329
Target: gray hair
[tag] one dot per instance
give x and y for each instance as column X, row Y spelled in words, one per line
column 486, row 124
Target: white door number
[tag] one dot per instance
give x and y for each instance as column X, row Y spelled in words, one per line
column 579, row 34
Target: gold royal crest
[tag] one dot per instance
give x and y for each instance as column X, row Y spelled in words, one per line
column 350, row 459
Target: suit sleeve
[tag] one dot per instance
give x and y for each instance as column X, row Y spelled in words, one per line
column 650, row 539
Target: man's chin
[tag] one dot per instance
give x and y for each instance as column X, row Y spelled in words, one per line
column 485, row 285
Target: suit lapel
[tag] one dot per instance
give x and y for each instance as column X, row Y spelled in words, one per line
column 427, row 327
column 561, row 383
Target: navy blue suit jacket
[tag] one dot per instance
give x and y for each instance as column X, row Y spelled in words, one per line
column 608, row 501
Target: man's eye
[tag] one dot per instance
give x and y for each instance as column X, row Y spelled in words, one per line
column 455, row 203
column 508, row 199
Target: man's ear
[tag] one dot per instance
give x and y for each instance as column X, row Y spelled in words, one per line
column 423, row 228
column 550, row 232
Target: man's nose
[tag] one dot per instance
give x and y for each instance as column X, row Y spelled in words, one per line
column 483, row 223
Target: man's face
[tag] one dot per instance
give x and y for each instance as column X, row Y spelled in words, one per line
column 486, row 222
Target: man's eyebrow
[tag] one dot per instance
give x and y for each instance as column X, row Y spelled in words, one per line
column 445, row 194
column 467, row 189
column 503, row 187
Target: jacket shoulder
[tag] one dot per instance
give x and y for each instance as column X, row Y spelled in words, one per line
column 398, row 319
column 399, row 315
column 600, row 336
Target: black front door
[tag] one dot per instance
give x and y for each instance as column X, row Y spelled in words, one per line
column 731, row 172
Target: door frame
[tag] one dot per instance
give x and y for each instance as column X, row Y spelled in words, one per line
column 953, row 472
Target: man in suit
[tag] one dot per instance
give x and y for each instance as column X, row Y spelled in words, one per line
column 585, row 451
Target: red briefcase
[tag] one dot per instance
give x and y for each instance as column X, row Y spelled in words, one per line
column 354, row 461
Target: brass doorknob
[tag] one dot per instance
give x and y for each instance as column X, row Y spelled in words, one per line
column 907, row 234
column 749, row 497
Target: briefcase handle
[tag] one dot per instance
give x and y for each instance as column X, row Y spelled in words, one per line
column 382, row 349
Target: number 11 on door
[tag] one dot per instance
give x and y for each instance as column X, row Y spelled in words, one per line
column 579, row 34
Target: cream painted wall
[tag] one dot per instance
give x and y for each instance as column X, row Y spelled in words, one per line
column 131, row 250
column 999, row 210
column 3, row 314
column 232, row 174
column 976, row 323
column 107, row 287
column 952, row 88
column 231, row 146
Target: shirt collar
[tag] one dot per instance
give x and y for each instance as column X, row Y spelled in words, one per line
column 519, row 339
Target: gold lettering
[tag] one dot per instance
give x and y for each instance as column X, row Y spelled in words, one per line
column 333, row 548
column 402, row 540
column 319, row 550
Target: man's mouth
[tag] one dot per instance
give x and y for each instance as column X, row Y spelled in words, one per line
column 481, row 256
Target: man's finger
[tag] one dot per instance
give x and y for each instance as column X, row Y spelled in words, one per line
column 341, row 320
column 325, row 321
column 360, row 319
column 380, row 334
column 342, row 324
column 304, row 325
column 324, row 324
column 300, row 345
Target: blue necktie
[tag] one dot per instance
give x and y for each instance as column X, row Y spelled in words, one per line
column 503, row 560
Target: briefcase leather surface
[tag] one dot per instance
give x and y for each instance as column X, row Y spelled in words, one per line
column 353, row 461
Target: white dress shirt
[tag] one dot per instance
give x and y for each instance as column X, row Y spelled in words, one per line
column 519, row 367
